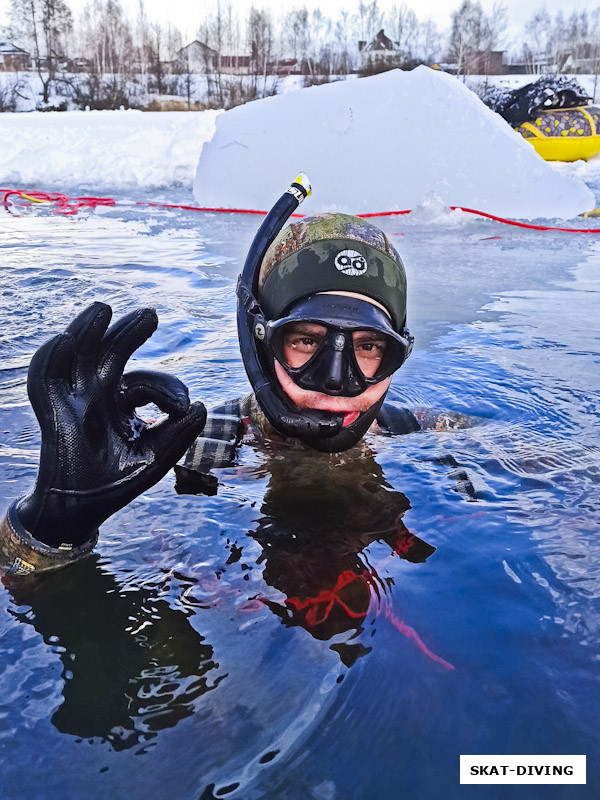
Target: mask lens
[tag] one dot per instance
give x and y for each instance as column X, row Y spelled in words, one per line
column 297, row 342
column 369, row 350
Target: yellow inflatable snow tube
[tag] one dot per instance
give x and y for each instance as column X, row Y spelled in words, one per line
column 564, row 134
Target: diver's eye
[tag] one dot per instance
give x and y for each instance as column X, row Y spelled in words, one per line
column 369, row 349
column 304, row 343
column 301, row 341
column 369, row 346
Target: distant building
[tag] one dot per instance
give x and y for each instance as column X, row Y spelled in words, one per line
column 284, row 66
column 487, row 62
column 197, row 57
column 13, row 58
column 235, row 64
column 79, row 65
column 381, row 53
column 478, row 62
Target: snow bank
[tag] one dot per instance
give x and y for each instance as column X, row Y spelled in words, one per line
column 103, row 150
column 383, row 143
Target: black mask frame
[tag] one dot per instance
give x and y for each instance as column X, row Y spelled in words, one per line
column 333, row 369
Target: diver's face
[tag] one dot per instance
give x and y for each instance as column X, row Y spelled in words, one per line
column 301, row 340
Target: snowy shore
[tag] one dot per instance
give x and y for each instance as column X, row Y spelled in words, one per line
column 112, row 152
column 106, row 151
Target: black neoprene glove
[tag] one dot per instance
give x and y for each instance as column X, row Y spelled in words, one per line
column 96, row 454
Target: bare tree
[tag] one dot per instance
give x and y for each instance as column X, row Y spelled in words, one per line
column 42, row 24
column 156, row 52
column 105, row 37
column 405, row 27
column 497, row 26
column 144, row 49
column 261, row 43
column 562, row 44
column 296, row 33
column 369, row 19
column 538, row 39
column 430, row 42
column 473, row 34
column 211, row 34
column 346, row 44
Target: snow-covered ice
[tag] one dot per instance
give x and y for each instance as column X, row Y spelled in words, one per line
column 387, row 142
column 107, row 150
column 331, row 132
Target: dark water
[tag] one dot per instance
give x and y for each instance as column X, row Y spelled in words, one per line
column 292, row 637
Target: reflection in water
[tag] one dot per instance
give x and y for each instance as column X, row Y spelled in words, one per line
column 320, row 514
column 132, row 665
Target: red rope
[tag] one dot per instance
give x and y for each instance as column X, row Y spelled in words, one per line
column 214, row 210
column 68, row 206
column 524, row 224
column 319, row 608
column 61, row 203
column 411, row 633
column 327, row 598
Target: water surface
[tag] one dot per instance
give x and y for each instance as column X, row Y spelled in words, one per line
column 321, row 628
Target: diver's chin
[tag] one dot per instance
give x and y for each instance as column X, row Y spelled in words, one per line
column 350, row 407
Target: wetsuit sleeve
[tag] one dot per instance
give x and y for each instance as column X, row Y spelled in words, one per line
column 439, row 420
column 21, row 554
column 214, row 449
column 395, row 420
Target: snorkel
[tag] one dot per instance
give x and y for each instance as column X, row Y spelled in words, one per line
column 284, row 417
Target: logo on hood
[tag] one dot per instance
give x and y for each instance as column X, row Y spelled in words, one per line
column 350, row 262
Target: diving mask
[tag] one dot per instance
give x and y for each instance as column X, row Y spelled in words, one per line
column 336, row 344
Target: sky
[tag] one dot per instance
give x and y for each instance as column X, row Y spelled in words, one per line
column 186, row 14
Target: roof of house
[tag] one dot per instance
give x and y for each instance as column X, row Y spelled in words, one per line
column 195, row 45
column 381, row 42
column 8, row 48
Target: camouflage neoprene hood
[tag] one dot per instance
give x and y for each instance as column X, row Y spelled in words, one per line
column 332, row 252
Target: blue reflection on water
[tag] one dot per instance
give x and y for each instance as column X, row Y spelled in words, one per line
column 287, row 638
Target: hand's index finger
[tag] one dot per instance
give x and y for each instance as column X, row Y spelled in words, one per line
column 122, row 340
column 49, row 372
column 89, row 327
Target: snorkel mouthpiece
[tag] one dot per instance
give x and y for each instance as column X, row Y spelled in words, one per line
column 283, row 416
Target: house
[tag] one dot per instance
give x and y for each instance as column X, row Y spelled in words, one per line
column 13, row 58
column 478, row 62
column 79, row 65
column 537, row 63
column 197, row 57
column 284, row 66
column 234, row 64
column 487, row 62
column 381, row 53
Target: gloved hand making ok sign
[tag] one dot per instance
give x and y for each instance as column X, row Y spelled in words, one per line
column 97, row 455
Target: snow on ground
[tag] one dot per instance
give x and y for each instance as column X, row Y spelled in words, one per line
column 111, row 152
column 106, row 150
column 383, row 143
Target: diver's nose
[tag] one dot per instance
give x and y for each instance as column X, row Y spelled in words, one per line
column 334, row 379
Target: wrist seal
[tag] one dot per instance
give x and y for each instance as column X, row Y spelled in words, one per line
column 21, row 554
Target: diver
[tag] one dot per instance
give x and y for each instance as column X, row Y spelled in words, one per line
column 322, row 329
